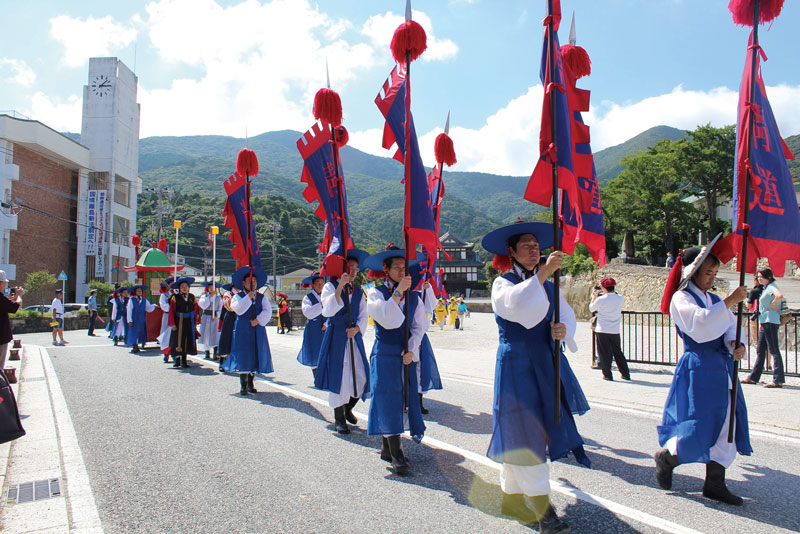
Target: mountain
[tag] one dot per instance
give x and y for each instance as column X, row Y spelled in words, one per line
column 794, row 166
column 606, row 161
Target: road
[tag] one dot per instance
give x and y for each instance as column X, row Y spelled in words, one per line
column 172, row 450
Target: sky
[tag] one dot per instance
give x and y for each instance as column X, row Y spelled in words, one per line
column 244, row 67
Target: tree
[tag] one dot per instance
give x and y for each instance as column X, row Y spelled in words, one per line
column 646, row 198
column 39, row 280
column 706, row 159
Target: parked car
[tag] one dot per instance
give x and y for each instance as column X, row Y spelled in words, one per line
column 71, row 307
column 40, row 308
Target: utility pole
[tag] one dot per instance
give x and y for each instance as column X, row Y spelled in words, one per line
column 162, row 193
column 275, row 228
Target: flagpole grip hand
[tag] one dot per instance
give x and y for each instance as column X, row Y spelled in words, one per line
column 554, row 262
column 559, row 331
column 737, row 295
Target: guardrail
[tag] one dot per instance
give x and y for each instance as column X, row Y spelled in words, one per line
column 651, row 337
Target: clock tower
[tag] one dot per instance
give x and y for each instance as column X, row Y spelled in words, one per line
column 108, row 194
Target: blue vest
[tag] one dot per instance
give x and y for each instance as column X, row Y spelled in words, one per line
column 697, row 402
column 250, row 348
column 387, row 379
column 523, row 429
column 137, row 334
column 312, row 336
column 334, row 342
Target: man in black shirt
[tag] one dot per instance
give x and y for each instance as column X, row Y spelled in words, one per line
column 752, row 302
column 8, row 305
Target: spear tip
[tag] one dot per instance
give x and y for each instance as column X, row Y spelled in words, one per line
column 572, row 36
column 327, row 72
column 408, row 10
column 447, row 123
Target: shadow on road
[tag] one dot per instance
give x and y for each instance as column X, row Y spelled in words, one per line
column 454, row 417
column 627, row 453
column 276, row 399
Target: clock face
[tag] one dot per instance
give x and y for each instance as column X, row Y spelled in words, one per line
column 101, row 85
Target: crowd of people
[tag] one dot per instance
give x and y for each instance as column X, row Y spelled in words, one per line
column 401, row 367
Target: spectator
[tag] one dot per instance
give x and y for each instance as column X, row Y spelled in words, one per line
column 769, row 318
column 8, row 305
column 624, row 257
column 57, row 307
column 463, row 312
column 92, row 305
column 608, row 305
column 752, row 303
column 670, row 260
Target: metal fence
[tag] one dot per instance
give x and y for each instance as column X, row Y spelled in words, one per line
column 651, row 337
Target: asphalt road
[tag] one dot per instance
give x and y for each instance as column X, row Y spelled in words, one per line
column 171, row 450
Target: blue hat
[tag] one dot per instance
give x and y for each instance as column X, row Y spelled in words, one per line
column 207, row 284
column 496, row 240
column 310, row 279
column 124, row 288
column 239, row 276
column 227, row 287
column 358, row 255
column 375, row 262
column 167, row 281
column 177, row 283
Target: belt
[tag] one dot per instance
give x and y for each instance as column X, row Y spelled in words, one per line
column 189, row 314
column 208, row 312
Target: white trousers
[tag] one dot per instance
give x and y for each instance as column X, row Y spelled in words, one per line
column 346, row 391
column 532, row 480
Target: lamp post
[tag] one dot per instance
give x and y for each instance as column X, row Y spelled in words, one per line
column 177, row 225
column 214, row 232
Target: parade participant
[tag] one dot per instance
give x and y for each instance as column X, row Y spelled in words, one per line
column 342, row 357
column 227, row 320
column 393, row 364
column 183, row 313
column 452, row 310
column 440, row 312
column 524, row 431
column 211, row 304
column 608, row 305
column 284, row 316
column 250, row 352
column 57, row 309
column 163, row 303
column 427, row 371
column 695, row 424
column 109, row 307
column 137, row 310
column 91, row 304
column 8, row 305
column 315, row 323
column 119, row 307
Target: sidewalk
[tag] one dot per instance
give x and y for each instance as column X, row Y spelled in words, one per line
column 47, row 456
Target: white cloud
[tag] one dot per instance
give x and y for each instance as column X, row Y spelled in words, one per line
column 508, row 143
column 92, row 37
column 21, row 73
column 380, row 28
column 63, row 115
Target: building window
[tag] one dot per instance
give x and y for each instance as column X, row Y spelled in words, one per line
column 463, row 254
column 98, row 180
column 122, row 231
column 119, row 275
column 122, row 191
column 90, row 267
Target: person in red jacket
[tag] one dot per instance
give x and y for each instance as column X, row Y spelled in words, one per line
column 183, row 314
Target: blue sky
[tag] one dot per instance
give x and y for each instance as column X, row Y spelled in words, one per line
column 226, row 67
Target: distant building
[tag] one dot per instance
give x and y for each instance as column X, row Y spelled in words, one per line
column 293, row 279
column 71, row 206
column 461, row 272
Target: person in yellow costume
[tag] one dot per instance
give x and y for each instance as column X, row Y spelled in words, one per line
column 441, row 312
column 452, row 308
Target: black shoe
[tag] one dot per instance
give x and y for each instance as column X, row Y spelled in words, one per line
column 243, row 384
column 665, row 463
column 515, row 507
column 628, row 378
column 115, row 341
column 715, row 488
column 551, row 524
column 176, row 361
column 386, row 456
column 185, row 360
column 348, row 411
column 166, row 358
column 399, row 462
column 250, row 386
column 609, row 378
column 421, row 407
column 339, row 421
column 135, row 349
column 208, row 355
column 216, row 354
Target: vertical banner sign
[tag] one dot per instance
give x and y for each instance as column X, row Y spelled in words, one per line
column 100, row 263
column 91, row 223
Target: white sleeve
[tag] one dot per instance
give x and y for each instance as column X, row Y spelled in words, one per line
column 311, row 311
column 417, row 328
column 363, row 317
column 218, row 305
column 113, row 310
column 525, row 303
column 266, row 310
column 130, row 310
column 163, row 302
column 567, row 317
column 330, row 306
column 204, row 302
column 388, row 313
column 701, row 324
column 430, row 300
column 595, row 304
column 241, row 303
column 149, row 306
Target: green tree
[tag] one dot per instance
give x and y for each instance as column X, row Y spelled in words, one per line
column 38, row 281
column 706, row 159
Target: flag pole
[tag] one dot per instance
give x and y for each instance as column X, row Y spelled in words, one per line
column 177, row 224
column 214, row 232
column 551, row 58
column 745, row 226
column 407, row 174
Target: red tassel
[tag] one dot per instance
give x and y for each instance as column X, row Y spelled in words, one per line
column 444, row 151
column 376, row 274
column 673, row 282
column 409, row 38
column 247, row 163
column 341, row 137
column 162, row 245
column 135, row 240
column 742, row 11
column 328, row 107
column 576, row 58
column 501, row 263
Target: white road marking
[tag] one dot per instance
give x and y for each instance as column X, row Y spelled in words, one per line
column 83, row 513
column 611, row 506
